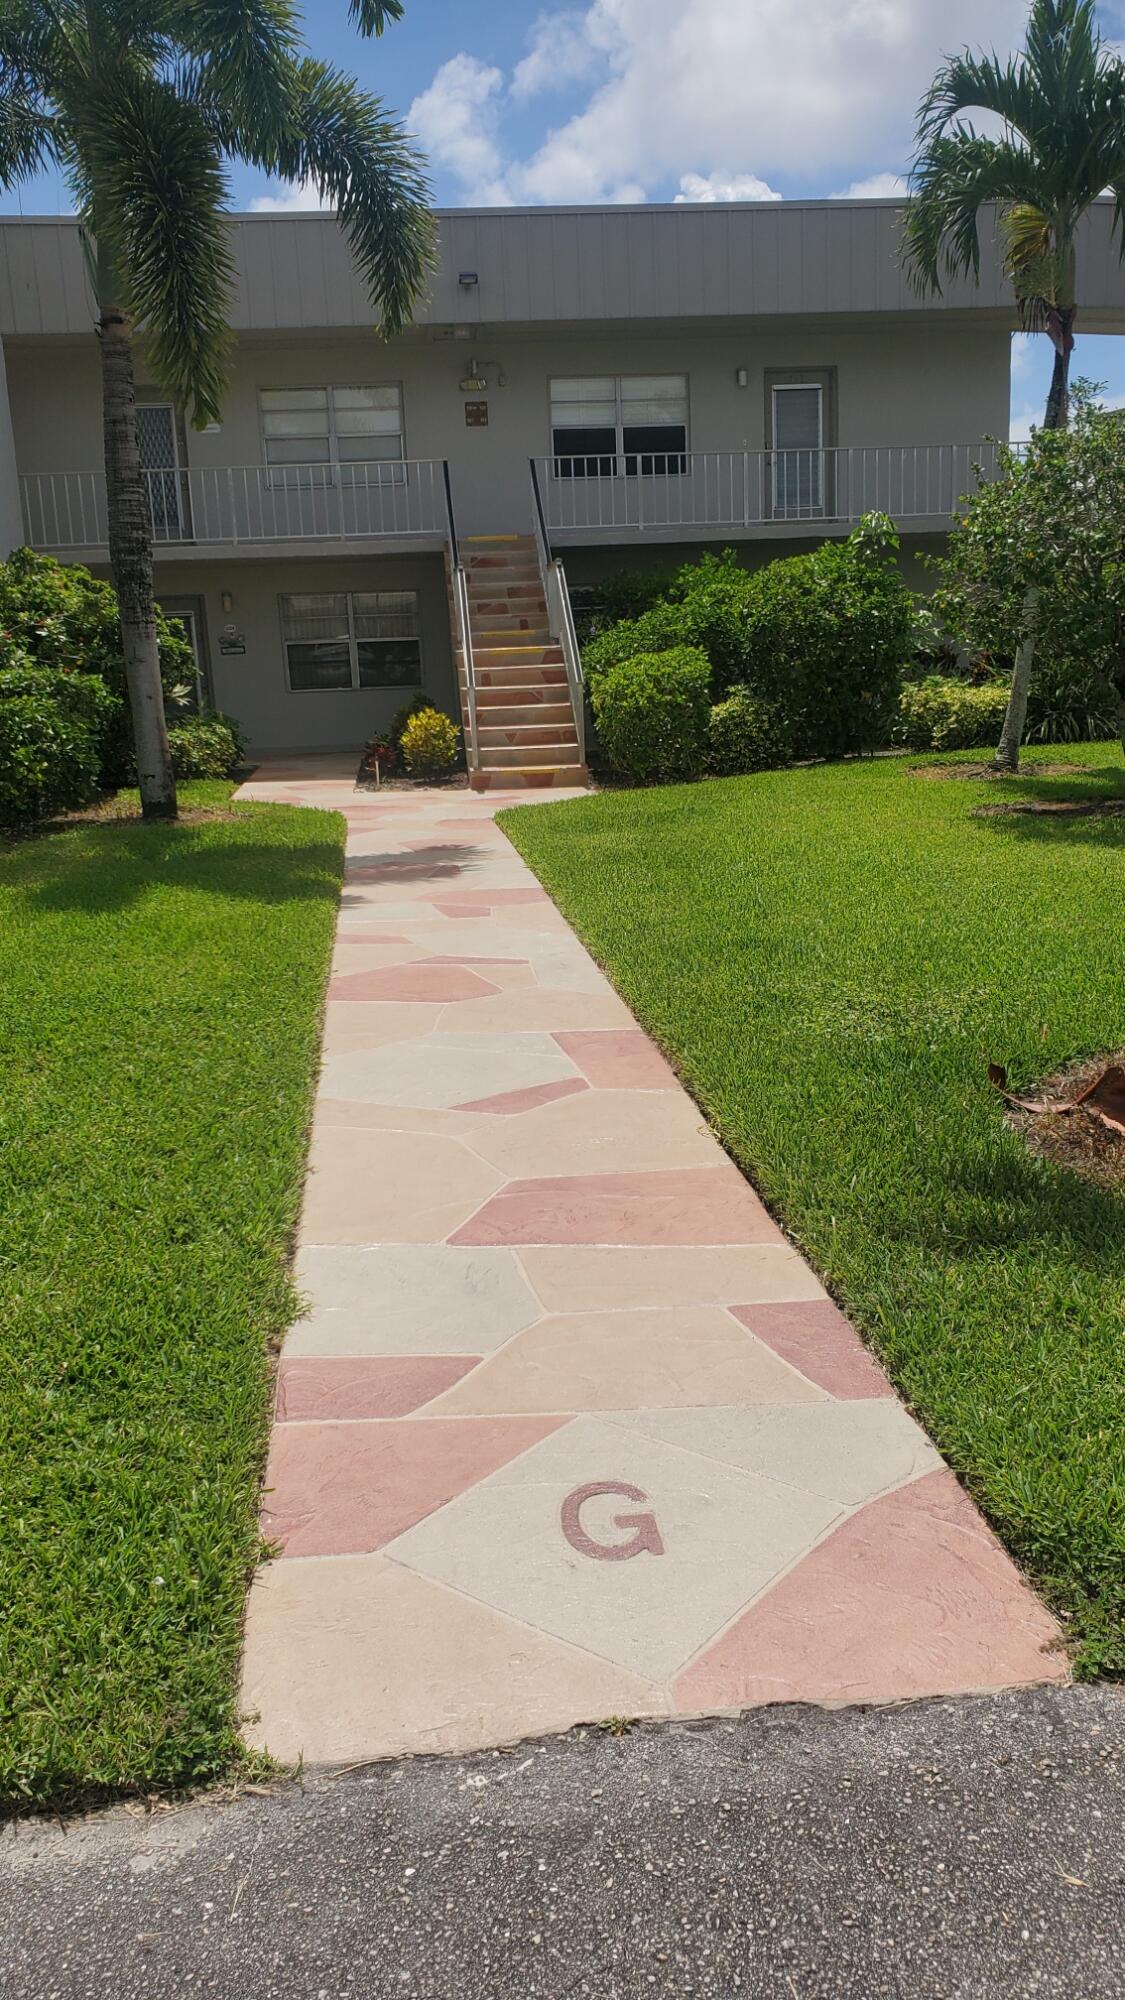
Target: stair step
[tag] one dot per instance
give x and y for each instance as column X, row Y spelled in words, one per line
column 518, row 656
column 532, row 777
column 529, row 736
column 498, row 712
column 508, row 595
column 514, row 678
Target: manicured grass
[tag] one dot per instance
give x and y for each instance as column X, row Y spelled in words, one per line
column 831, row 957
column 160, row 992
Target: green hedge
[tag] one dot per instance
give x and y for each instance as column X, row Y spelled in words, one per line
column 944, row 713
column 746, row 735
column 206, row 746
column 52, row 730
column 59, row 616
column 653, row 714
column 820, row 639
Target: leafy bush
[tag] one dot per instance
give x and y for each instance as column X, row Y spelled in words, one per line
column 662, row 629
column 826, row 636
column 52, row 728
column 1068, row 702
column 702, row 607
column 430, row 744
column 419, row 703
column 746, row 735
column 60, row 616
column 625, row 594
column 1033, row 568
column 653, row 713
column 946, row 713
column 206, row 746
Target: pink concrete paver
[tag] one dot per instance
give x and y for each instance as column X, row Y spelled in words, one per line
column 569, row 1429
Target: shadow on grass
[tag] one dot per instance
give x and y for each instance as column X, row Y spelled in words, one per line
column 100, row 868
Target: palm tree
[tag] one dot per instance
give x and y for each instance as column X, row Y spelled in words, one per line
column 141, row 104
column 1061, row 106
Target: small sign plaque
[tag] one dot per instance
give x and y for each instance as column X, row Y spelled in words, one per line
column 476, row 415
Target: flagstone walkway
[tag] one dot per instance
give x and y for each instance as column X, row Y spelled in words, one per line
column 570, row 1431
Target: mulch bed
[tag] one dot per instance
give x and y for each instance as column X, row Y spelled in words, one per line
column 1076, row 1139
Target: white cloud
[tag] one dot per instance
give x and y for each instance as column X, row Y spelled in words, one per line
column 725, row 187
column 456, row 122
column 562, row 51
column 877, row 187
column 294, row 196
column 813, row 92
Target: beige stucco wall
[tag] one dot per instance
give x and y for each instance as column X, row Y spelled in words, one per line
column 899, row 382
column 252, row 686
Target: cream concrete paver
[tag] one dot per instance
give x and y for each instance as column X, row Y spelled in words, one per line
column 653, row 1360
column 568, row 1428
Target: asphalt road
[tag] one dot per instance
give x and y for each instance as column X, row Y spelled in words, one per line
column 972, row 1850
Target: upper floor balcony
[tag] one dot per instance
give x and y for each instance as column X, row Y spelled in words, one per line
column 701, row 495
column 250, row 508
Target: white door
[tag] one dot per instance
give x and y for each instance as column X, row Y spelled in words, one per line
column 798, row 450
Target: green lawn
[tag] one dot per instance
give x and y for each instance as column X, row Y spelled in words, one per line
column 160, row 992
column 831, row 957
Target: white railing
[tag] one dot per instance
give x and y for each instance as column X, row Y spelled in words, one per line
column 468, row 669
column 229, row 504
column 748, row 490
column 560, row 617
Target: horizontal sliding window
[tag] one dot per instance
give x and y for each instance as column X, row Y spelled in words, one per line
column 342, row 639
column 603, row 425
column 317, row 430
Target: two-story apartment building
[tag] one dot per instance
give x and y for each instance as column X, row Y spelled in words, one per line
column 607, row 386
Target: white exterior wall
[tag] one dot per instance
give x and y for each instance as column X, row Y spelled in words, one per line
column 252, row 686
column 902, row 383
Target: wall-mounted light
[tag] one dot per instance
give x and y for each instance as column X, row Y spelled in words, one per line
column 741, row 377
column 468, row 280
column 226, row 600
column 474, row 382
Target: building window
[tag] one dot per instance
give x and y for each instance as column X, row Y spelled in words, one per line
column 318, row 430
column 351, row 639
column 602, row 425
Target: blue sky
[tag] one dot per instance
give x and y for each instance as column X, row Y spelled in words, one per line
column 667, row 100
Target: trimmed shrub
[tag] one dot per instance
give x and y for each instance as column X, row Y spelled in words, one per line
column 430, row 744
column 662, row 630
column 626, row 594
column 826, row 636
column 746, row 735
column 206, row 746
column 703, row 607
column 60, row 616
column 653, row 714
column 419, row 703
column 943, row 713
column 52, row 728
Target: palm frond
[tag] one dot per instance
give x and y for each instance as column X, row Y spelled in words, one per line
column 364, row 164
column 242, row 56
column 958, row 175
column 29, row 135
column 978, row 83
column 371, row 17
column 157, row 193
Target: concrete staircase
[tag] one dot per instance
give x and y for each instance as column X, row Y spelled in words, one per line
column 525, row 721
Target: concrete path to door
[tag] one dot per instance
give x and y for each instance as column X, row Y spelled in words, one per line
column 570, row 1431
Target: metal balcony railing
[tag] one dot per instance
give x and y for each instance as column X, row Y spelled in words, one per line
column 229, row 504
column 733, row 491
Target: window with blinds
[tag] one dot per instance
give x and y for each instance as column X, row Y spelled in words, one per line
column 603, row 425
column 351, row 639
column 319, row 430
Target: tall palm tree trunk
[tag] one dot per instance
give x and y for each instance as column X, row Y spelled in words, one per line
column 130, row 556
column 1060, row 326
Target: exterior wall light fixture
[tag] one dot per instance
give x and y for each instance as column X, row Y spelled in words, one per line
column 468, row 280
column 741, row 377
